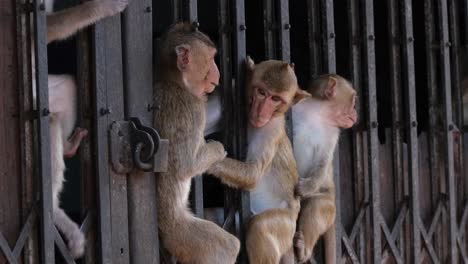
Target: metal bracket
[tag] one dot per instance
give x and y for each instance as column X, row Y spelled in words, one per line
column 135, row 146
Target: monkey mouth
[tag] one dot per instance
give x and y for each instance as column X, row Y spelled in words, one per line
column 257, row 122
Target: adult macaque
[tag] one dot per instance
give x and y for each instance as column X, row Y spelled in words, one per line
column 62, row 106
column 187, row 72
column 270, row 169
column 317, row 122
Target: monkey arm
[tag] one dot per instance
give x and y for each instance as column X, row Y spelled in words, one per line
column 63, row 24
column 244, row 175
column 311, row 184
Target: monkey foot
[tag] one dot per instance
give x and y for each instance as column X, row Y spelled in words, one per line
column 73, row 143
column 299, row 246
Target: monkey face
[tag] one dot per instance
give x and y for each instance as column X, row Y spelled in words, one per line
column 265, row 105
column 198, row 67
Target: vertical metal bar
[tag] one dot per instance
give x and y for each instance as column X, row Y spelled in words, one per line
column 448, row 126
column 283, row 30
column 331, row 242
column 175, row 4
column 229, row 135
column 239, row 99
column 192, row 10
column 395, row 84
column 47, row 223
column 455, row 61
column 113, row 221
column 372, row 126
column 313, row 31
column 269, row 29
column 138, row 78
column 411, row 125
column 361, row 185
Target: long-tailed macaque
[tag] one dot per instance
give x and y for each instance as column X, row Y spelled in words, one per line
column 316, row 125
column 62, row 106
column 270, row 169
column 186, row 73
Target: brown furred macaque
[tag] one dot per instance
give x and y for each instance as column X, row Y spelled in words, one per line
column 186, row 72
column 269, row 171
column 316, row 124
column 62, row 106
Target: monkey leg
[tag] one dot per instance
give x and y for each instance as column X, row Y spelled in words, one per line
column 197, row 241
column 316, row 216
column 71, row 231
column 270, row 236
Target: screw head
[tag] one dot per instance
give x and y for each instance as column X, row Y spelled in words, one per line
column 242, row 27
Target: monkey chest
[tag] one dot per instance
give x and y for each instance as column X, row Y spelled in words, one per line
column 268, row 194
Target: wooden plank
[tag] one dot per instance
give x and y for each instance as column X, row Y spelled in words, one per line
column 138, row 72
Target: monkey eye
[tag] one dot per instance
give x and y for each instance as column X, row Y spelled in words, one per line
column 262, row 92
column 276, row 99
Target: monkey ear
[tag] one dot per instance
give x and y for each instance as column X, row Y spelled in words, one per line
column 249, row 63
column 300, row 95
column 292, row 65
column 330, row 91
column 182, row 52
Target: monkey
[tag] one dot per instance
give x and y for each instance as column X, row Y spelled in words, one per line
column 62, row 106
column 187, row 72
column 316, row 124
column 269, row 171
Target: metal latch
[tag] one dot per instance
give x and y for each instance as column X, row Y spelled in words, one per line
column 135, row 146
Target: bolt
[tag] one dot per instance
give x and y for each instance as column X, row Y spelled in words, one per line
column 371, row 37
column 373, row 124
column 42, row 7
column 105, row 111
column 448, row 44
column 332, row 35
column 242, row 27
column 195, row 24
column 287, row 26
column 410, row 39
column 148, row 9
column 45, row 112
column 414, row 124
column 450, row 127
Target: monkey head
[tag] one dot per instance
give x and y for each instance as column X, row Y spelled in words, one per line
column 339, row 97
column 187, row 56
column 271, row 89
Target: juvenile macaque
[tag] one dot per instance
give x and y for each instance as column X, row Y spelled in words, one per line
column 270, row 169
column 62, row 106
column 186, row 73
column 317, row 122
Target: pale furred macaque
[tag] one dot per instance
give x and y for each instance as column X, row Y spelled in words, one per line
column 186, row 73
column 62, row 106
column 269, row 171
column 316, row 124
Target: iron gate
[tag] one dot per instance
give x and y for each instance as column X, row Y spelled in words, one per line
column 402, row 184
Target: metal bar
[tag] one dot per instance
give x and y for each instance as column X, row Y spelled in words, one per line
column 372, row 126
column 227, row 96
column 313, row 31
column 191, row 7
column 138, row 78
column 62, row 247
column 269, row 29
column 448, row 125
column 361, row 183
column 411, row 125
column 433, row 111
column 455, row 58
column 47, row 222
column 238, row 6
column 395, row 84
column 25, row 234
column 329, row 38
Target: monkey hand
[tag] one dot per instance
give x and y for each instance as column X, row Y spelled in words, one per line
column 305, row 188
column 217, row 149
